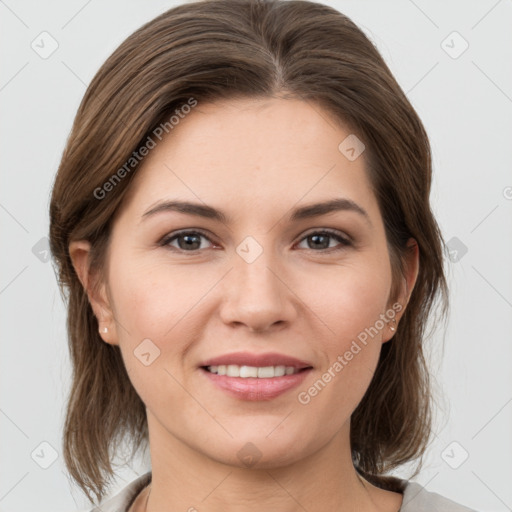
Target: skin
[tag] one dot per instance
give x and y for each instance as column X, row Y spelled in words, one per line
column 256, row 160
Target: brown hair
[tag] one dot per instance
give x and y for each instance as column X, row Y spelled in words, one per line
column 223, row 49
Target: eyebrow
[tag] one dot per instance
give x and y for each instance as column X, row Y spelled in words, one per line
column 304, row 212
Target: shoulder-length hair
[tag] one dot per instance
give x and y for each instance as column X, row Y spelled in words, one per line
column 225, row 49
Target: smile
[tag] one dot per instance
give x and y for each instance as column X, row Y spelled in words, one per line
column 260, row 372
column 268, row 386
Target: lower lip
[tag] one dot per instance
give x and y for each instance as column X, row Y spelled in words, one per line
column 254, row 389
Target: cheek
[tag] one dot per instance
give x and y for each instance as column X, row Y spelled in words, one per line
column 156, row 307
column 351, row 299
column 351, row 308
column 152, row 299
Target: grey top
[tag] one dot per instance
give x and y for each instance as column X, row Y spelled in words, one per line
column 415, row 498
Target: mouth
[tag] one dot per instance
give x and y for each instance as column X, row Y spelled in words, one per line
column 253, row 377
column 247, row 364
column 257, row 372
column 250, row 376
column 238, row 381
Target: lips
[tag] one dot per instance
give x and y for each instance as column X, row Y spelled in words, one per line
column 258, row 360
column 263, row 387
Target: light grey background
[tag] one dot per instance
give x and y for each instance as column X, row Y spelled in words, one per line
column 465, row 102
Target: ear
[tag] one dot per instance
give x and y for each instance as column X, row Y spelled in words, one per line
column 411, row 262
column 96, row 290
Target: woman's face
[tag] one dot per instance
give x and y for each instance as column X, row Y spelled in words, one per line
column 249, row 267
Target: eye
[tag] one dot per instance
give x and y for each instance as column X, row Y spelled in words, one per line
column 187, row 241
column 321, row 240
column 190, row 241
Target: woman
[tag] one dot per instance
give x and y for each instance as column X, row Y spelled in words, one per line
column 241, row 219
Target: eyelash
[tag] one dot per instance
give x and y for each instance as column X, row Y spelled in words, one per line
column 344, row 241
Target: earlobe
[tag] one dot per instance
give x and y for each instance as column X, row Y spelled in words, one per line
column 79, row 252
column 391, row 328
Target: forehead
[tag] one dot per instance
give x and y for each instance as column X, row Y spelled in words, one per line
column 251, row 152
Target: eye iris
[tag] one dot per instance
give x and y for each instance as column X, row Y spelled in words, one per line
column 318, row 238
column 192, row 241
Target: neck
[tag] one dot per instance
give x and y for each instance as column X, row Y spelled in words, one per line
column 185, row 479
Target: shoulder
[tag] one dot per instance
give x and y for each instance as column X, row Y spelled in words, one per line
column 417, row 499
column 121, row 501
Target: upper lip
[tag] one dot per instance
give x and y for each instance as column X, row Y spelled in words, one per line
column 248, row 359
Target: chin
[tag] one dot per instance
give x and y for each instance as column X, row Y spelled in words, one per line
column 259, row 450
column 253, row 456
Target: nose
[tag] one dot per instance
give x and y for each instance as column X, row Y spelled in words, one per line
column 256, row 295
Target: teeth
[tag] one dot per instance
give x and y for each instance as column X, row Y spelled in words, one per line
column 261, row 372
